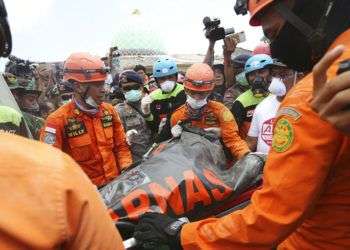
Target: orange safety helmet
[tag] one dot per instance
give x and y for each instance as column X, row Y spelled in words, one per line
column 262, row 48
column 255, row 7
column 84, row 68
column 199, row 77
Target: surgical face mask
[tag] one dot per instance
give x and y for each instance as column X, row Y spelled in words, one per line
column 91, row 102
column 277, row 87
column 241, row 79
column 167, row 86
column 196, row 104
column 133, row 95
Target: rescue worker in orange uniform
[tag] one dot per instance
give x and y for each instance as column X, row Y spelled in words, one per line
column 86, row 128
column 305, row 199
column 47, row 202
column 209, row 115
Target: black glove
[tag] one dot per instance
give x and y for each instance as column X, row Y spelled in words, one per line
column 155, row 230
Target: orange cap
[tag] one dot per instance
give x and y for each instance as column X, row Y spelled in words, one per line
column 255, row 7
column 199, row 77
column 84, row 68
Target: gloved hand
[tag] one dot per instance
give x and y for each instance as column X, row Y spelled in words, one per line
column 146, row 104
column 129, row 135
column 215, row 131
column 176, row 131
column 155, row 230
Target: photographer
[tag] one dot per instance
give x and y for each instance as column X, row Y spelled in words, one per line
column 224, row 74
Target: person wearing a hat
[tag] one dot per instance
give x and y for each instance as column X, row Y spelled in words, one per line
column 138, row 134
column 241, row 84
column 26, row 93
column 87, row 128
column 260, row 133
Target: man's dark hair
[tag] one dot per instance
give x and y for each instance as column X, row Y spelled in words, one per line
column 140, row 67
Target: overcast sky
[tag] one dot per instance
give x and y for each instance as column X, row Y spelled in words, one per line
column 49, row 30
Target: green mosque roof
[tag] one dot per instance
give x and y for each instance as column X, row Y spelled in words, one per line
column 136, row 36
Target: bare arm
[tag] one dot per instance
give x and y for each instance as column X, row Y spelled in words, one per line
column 229, row 48
column 209, row 57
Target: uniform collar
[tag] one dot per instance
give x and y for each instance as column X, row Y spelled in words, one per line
column 79, row 110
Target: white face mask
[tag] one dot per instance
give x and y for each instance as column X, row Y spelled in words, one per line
column 167, row 86
column 196, row 104
column 277, row 87
column 90, row 101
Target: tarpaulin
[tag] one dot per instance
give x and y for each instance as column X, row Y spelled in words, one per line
column 186, row 177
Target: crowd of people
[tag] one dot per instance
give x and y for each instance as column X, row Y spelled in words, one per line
column 148, row 103
column 287, row 103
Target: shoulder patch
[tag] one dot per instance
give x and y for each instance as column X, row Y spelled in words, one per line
column 289, row 111
column 227, row 116
column 50, row 138
column 283, row 136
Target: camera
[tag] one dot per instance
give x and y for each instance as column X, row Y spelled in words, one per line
column 213, row 31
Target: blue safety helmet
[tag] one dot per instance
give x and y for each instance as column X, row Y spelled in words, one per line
column 256, row 62
column 164, row 67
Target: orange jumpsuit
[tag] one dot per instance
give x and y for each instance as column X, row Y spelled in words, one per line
column 97, row 143
column 47, row 202
column 217, row 115
column 305, row 200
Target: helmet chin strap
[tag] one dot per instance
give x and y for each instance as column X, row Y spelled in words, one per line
column 316, row 36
